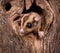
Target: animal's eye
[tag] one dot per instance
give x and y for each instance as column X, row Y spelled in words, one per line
column 29, row 25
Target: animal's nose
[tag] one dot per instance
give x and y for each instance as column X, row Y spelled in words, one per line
column 22, row 31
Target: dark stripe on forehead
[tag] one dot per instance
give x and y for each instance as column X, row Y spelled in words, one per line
column 25, row 19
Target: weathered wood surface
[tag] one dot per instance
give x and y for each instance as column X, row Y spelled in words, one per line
column 11, row 43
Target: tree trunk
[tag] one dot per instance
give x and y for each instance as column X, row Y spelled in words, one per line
column 10, row 42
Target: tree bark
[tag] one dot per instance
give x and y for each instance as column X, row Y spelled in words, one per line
column 10, row 42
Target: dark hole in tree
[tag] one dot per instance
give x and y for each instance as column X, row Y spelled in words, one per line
column 7, row 6
column 16, row 18
column 19, row 23
column 33, row 8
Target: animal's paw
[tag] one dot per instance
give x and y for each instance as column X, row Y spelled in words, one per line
column 41, row 34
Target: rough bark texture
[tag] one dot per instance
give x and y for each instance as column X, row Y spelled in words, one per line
column 11, row 43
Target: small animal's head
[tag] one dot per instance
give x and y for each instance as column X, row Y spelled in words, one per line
column 32, row 22
column 29, row 23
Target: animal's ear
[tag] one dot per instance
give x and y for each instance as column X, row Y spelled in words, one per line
column 37, row 18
